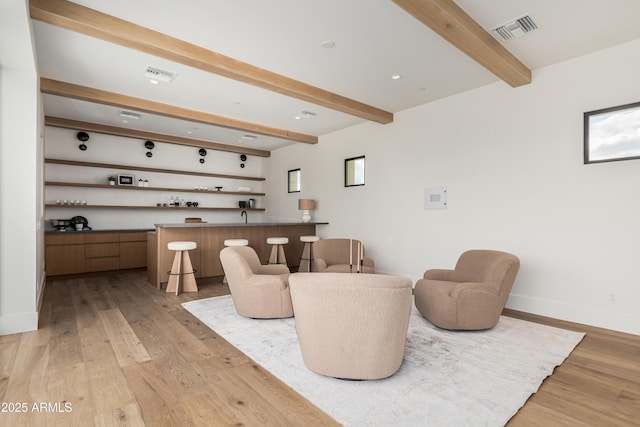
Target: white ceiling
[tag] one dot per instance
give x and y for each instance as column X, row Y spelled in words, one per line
column 374, row 39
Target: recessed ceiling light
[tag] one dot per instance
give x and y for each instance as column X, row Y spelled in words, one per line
column 396, row 77
column 328, row 44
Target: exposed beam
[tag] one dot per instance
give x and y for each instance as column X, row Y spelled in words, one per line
column 70, row 90
column 452, row 23
column 75, row 17
column 131, row 133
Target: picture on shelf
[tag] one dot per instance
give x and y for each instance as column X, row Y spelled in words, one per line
column 125, row 180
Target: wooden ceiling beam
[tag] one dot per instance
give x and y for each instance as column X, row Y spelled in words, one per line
column 81, row 19
column 144, row 135
column 453, row 24
column 83, row 93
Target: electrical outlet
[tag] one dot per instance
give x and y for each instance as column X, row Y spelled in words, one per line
column 613, row 298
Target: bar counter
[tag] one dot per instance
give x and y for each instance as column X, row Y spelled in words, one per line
column 210, row 239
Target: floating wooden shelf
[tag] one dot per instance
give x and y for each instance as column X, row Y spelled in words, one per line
column 127, row 187
column 199, row 208
column 145, row 169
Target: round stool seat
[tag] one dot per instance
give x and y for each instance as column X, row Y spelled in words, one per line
column 277, row 240
column 236, row 242
column 181, row 246
column 309, row 239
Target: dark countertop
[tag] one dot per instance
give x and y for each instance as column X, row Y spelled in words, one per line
column 113, row 230
column 237, row 224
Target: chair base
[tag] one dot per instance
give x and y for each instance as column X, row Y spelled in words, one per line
column 277, row 254
column 307, row 260
column 182, row 275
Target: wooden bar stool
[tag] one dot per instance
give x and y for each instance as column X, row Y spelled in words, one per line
column 182, row 275
column 277, row 251
column 307, row 260
column 234, row 242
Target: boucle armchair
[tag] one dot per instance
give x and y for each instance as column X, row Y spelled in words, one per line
column 332, row 256
column 351, row 326
column 258, row 291
column 470, row 297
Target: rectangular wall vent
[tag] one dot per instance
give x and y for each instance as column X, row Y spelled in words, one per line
column 158, row 74
column 516, row 28
column 129, row 115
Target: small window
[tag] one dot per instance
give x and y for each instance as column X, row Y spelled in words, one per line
column 294, row 181
column 354, row 171
column 612, row 134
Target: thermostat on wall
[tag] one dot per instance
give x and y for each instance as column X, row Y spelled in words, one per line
column 435, row 198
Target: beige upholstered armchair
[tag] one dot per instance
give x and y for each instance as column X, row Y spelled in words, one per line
column 351, row 325
column 258, row 291
column 332, row 256
column 471, row 296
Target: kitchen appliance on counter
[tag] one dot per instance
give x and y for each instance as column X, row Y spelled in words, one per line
column 60, row 224
column 80, row 223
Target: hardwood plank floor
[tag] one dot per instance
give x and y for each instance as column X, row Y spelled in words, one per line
column 113, row 350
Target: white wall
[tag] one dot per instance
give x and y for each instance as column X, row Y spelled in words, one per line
column 63, row 144
column 21, row 259
column 512, row 162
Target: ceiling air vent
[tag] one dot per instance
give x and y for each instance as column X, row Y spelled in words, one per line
column 516, row 28
column 158, row 74
column 305, row 115
column 129, row 115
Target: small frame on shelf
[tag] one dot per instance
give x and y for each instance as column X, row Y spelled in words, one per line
column 125, row 180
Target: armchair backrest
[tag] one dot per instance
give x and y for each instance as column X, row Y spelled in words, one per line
column 351, row 325
column 239, row 263
column 258, row 291
column 488, row 266
column 336, row 251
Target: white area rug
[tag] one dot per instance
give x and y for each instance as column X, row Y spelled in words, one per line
column 446, row 378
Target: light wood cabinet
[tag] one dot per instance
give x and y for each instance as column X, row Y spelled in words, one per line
column 64, row 254
column 94, row 251
column 210, row 241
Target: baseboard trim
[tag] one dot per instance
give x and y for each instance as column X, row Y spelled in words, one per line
column 605, row 319
column 19, row 322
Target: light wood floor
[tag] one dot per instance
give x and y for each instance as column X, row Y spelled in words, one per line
column 113, row 350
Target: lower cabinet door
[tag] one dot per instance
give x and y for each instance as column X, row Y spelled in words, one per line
column 102, row 264
column 133, row 254
column 64, row 259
